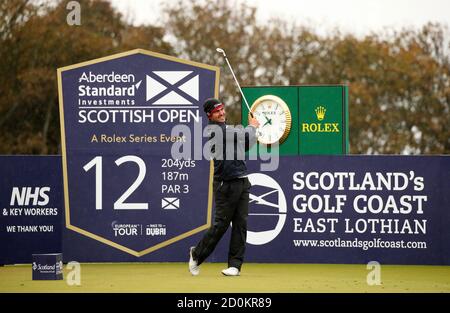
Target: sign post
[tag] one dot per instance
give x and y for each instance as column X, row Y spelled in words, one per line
column 121, row 185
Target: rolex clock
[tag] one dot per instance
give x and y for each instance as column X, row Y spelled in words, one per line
column 274, row 117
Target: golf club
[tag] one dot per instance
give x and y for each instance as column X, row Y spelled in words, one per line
column 235, row 79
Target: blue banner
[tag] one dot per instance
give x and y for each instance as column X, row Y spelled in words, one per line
column 335, row 209
column 31, row 204
column 312, row 209
column 122, row 186
column 353, row 209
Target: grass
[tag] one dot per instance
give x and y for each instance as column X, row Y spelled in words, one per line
column 268, row 278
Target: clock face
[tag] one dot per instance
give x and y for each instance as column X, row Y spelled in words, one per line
column 274, row 118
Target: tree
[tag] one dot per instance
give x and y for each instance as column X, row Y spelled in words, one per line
column 201, row 27
column 399, row 96
column 37, row 40
column 399, row 83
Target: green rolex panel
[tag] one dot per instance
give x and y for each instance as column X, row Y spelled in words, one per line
column 304, row 120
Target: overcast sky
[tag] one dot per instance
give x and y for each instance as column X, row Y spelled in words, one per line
column 357, row 16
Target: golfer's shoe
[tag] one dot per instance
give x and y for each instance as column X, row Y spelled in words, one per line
column 194, row 268
column 231, row 271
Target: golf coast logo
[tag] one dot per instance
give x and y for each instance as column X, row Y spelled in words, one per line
column 268, row 205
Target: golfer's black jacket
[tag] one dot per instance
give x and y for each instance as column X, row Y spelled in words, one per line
column 228, row 145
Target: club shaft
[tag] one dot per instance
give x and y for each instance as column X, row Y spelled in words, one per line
column 237, row 83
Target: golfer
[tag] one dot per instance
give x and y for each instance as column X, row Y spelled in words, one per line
column 231, row 189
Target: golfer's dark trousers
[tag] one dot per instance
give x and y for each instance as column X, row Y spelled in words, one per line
column 231, row 199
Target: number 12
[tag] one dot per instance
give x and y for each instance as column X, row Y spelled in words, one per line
column 119, row 204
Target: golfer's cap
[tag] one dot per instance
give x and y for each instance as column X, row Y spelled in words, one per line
column 211, row 105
